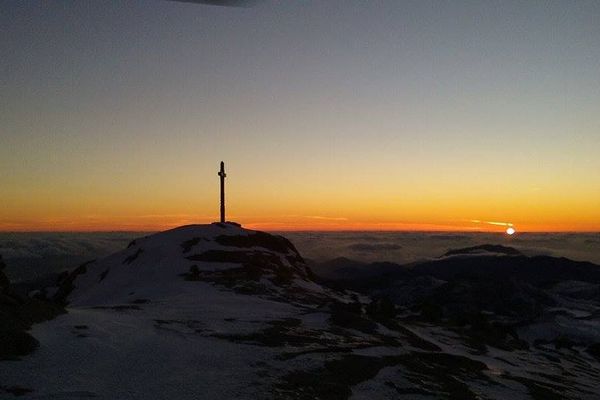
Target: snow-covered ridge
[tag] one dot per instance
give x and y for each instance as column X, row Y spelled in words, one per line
column 155, row 266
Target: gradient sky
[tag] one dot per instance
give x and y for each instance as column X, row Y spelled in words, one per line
column 329, row 114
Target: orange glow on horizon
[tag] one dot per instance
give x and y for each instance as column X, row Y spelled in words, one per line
column 323, row 208
column 153, row 223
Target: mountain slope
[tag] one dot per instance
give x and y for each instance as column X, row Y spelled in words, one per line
column 220, row 312
column 157, row 266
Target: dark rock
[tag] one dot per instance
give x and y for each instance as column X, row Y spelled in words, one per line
column 351, row 316
column 17, row 314
column 267, row 241
column 15, row 343
column 15, row 390
column 538, row 271
column 194, row 274
column 381, row 309
column 490, row 248
column 16, row 318
column 4, row 282
column 65, row 284
column 103, row 274
column 129, row 259
column 505, row 297
column 594, row 350
column 236, row 257
column 188, row 244
column 437, row 374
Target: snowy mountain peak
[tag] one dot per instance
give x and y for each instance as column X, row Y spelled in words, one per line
column 163, row 265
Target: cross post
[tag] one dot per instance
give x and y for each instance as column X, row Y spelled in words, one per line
column 222, row 175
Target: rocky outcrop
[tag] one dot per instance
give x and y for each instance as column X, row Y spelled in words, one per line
column 491, row 294
column 17, row 314
column 4, row 282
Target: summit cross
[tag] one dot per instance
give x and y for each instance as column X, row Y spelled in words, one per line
column 222, row 175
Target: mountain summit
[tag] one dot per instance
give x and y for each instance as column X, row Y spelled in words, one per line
column 165, row 264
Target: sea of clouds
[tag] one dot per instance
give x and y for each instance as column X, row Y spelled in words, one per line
column 28, row 255
column 407, row 247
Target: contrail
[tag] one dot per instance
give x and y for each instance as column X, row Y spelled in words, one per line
column 326, row 218
column 477, row 221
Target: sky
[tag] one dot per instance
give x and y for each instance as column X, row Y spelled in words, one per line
column 329, row 115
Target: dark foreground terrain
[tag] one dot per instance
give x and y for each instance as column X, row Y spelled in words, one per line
column 218, row 311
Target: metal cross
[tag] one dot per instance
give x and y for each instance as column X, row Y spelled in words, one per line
column 222, row 175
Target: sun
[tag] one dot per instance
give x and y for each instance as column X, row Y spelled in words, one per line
column 510, row 230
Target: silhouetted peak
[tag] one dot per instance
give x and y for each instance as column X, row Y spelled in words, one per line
column 484, row 249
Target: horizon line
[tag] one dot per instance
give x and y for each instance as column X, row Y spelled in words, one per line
column 475, row 231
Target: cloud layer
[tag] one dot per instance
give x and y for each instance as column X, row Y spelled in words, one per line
column 34, row 254
column 406, row 247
